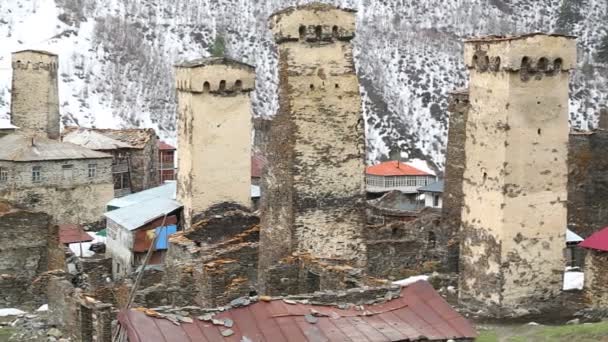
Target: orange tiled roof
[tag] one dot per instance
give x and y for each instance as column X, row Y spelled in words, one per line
column 394, row 168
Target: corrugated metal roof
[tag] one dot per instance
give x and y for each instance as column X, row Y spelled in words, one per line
column 135, row 137
column 24, row 147
column 394, row 168
column 572, row 236
column 137, row 215
column 597, row 241
column 166, row 191
column 72, row 233
column 163, row 146
column 435, row 187
column 6, row 124
column 93, row 140
column 258, row 162
column 419, row 314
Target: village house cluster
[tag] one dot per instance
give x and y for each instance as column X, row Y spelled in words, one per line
column 294, row 230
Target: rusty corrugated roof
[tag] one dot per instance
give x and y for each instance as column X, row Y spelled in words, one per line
column 163, row 146
column 419, row 314
column 73, row 233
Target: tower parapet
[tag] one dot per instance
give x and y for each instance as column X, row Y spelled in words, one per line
column 35, row 94
column 214, row 134
column 315, row 22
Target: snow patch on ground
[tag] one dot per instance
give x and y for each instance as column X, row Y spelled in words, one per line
column 44, row 307
column 11, row 312
column 75, row 247
column 411, row 280
column 574, row 280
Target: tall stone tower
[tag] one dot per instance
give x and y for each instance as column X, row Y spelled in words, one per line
column 35, row 95
column 314, row 183
column 214, row 134
column 516, row 173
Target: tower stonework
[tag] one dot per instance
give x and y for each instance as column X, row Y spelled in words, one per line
column 35, row 95
column 314, row 183
column 214, row 134
column 515, row 177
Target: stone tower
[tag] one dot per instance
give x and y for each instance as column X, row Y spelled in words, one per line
column 214, row 134
column 314, row 182
column 35, row 95
column 454, row 169
column 515, row 177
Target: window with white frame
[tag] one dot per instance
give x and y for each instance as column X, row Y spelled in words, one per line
column 68, row 172
column 36, row 174
column 3, row 175
column 92, row 170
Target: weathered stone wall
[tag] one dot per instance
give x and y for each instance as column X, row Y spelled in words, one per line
column 34, row 94
column 23, row 254
column 588, row 182
column 313, row 188
column 515, row 178
column 402, row 249
column 454, row 169
column 214, row 135
column 79, row 200
column 144, row 165
column 596, row 279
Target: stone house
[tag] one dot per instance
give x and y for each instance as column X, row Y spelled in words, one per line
column 135, row 162
column 129, row 237
column 67, row 181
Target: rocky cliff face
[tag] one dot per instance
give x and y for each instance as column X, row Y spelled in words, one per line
column 117, row 56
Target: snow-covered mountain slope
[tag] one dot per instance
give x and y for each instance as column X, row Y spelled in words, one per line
column 116, row 56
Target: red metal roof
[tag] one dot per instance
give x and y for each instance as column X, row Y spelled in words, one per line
column 163, row 146
column 598, row 241
column 419, row 314
column 394, row 168
column 72, row 233
column 258, row 163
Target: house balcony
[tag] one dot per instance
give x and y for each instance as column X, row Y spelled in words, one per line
column 405, row 184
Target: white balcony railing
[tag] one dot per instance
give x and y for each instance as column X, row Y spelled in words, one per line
column 405, row 184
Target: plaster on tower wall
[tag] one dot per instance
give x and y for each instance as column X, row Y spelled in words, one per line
column 214, row 134
column 515, row 178
column 314, row 183
column 35, row 100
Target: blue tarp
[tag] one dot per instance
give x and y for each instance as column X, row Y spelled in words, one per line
column 162, row 242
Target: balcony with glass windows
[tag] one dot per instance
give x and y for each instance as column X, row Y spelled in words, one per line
column 405, row 184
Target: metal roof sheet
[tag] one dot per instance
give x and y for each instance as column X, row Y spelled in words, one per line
column 420, row 313
column 435, row 187
column 163, row 146
column 137, row 215
column 135, row 137
column 73, row 233
column 93, row 140
column 395, row 168
column 572, row 236
column 597, row 241
column 166, row 191
column 6, row 124
column 24, row 147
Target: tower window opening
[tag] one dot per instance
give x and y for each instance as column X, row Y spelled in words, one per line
column 312, row 87
column 238, row 85
column 486, row 63
column 222, row 85
column 557, row 65
column 302, row 32
column 475, row 61
column 495, row 66
column 543, row 64
column 485, row 176
column 539, row 131
column 334, row 31
column 206, row 87
column 319, row 32
column 337, row 86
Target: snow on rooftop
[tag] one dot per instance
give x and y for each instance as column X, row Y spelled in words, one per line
column 411, row 280
column 421, row 165
column 572, row 236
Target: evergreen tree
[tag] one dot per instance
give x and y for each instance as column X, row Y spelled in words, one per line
column 218, row 49
column 602, row 52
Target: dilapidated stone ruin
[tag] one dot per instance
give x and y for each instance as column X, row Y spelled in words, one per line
column 313, row 201
column 516, row 172
column 23, row 255
column 214, row 134
column 587, row 181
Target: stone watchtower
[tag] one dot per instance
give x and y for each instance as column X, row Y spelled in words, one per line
column 214, row 134
column 35, row 95
column 314, row 184
column 516, row 173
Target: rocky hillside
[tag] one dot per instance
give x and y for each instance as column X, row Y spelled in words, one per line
column 117, row 56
